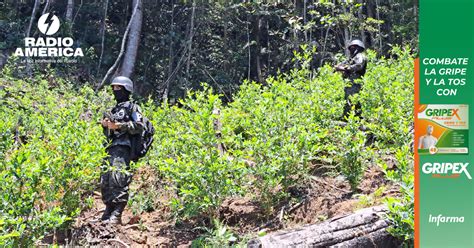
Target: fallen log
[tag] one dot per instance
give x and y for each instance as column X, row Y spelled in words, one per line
column 365, row 228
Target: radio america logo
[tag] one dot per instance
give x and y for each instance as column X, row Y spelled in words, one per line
column 42, row 47
column 446, row 170
column 48, row 24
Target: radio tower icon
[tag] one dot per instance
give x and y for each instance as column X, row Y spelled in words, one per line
column 48, row 24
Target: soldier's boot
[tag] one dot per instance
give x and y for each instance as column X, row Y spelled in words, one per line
column 107, row 212
column 116, row 215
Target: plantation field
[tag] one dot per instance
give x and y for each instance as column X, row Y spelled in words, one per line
column 276, row 155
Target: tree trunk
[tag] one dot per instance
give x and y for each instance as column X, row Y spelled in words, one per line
column 323, row 53
column 364, row 228
column 347, row 39
column 77, row 12
column 190, row 42
column 46, row 7
column 113, row 68
column 33, row 15
column 347, row 34
column 102, row 33
column 304, row 22
column 128, row 63
column 256, row 65
column 377, row 12
column 226, row 42
column 171, row 55
column 370, row 38
column 361, row 20
column 69, row 10
column 249, row 50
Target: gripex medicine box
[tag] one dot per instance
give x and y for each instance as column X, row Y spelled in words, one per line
column 443, row 129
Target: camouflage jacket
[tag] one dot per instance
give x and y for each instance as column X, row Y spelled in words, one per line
column 355, row 66
column 130, row 118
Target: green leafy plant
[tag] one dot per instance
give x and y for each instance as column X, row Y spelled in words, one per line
column 370, row 199
column 45, row 167
column 401, row 210
column 142, row 201
column 353, row 153
column 219, row 236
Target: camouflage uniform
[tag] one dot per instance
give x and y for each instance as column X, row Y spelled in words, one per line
column 354, row 68
column 116, row 175
column 115, row 181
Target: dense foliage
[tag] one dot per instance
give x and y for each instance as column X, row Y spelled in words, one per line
column 272, row 134
column 223, row 42
column 45, row 168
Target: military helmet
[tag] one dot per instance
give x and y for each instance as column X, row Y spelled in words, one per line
column 123, row 81
column 358, row 43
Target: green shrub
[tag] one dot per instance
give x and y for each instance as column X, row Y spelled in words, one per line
column 401, row 210
column 186, row 154
column 45, row 167
column 352, row 155
column 387, row 98
column 219, row 236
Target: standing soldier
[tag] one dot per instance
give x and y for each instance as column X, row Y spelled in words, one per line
column 119, row 124
column 352, row 69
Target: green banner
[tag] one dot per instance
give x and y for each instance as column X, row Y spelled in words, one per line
column 444, row 135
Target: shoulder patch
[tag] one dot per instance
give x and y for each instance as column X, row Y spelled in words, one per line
column 136, row 116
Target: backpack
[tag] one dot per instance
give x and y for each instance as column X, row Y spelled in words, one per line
column 141, row 142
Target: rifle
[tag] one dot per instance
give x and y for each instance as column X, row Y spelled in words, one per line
column 107, row 115
column 343, row 68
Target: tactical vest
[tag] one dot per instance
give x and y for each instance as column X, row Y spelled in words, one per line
column 357, row 74
column 122, row 112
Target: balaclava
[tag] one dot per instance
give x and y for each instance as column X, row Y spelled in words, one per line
column 354, row 50
column 121, row 95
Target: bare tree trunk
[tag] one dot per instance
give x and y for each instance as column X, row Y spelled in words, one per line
column 69, row 10
column 171, row 55
column 33, row 15
column 226, row 40
column 347, row 35
column 361, row 20
column 370, row 14
column 259, row 49
column 364, row 228
column 102, row 33
column 378, row 18
column 248, row 46
column 122, row 50
column 267, row 30
column 128, row 63
column 190, row 41
column 256, row 65
column 77, row 12
column 304, row 22
column 346, row 39
column 46, row 7
column 323, row 53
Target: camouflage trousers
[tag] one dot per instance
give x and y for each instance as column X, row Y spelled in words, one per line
column 349, row 91
column 116, row 176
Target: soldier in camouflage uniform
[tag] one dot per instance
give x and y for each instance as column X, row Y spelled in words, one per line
column 352, row 69
column 122, row 121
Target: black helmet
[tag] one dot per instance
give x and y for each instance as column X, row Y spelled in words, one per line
column 358, row 43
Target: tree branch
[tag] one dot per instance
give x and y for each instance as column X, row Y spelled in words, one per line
column 122, row 50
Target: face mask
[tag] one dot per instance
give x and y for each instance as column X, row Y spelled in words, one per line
column 121, row 95
column 355, row 51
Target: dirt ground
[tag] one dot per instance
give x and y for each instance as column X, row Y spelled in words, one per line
column 322, row 198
